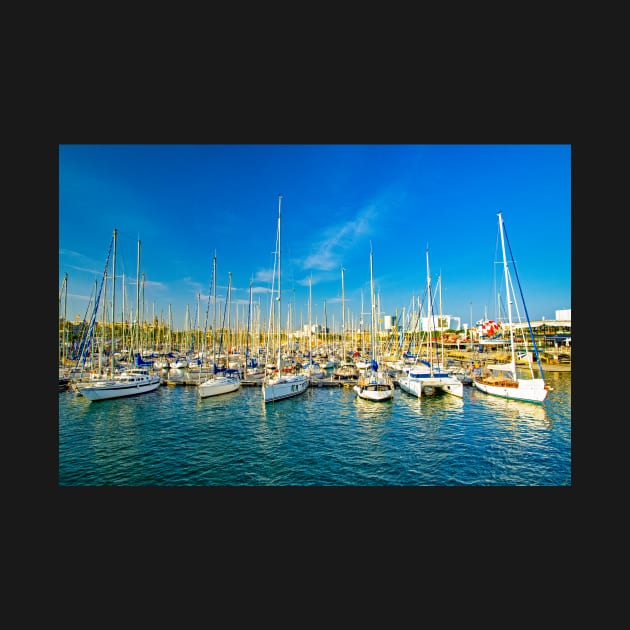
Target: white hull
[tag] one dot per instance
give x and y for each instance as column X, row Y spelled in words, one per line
column 346, row 371
column 375, row 393
column 313, row 371
column 284, row 387
column 507, row 384
column 180, row 364
column 376, row 387
column 254, row 376
column 218, row 385
column 528, row 390
column 417, row 386
column 129, row 383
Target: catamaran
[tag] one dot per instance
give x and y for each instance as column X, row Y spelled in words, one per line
column 428, row 376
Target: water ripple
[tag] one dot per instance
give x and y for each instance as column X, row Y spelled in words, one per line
column 325, row 437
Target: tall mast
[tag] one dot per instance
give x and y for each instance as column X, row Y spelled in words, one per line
column 170, row 329
column 137, row 336
column 310, row 323
column 343, row 317
column 111, row 358
column 325, row 329
column 373, row 324
column 440, row 322
column 143, row 340
column 214, row 313
column 122, row 319
column 64, row 290
column 249, row 328
column 228, row 325
column 361, row 328
column 279, row 293
column 430, row 313
column 65, row 317
column 198, row 329
column 508, row 292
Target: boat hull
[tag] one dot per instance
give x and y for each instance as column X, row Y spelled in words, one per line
column 217, row 386
column 376, row 392
column 376, row 386
column 528, row 390
column 284, row 387
column 105, row 390
column 417, row 386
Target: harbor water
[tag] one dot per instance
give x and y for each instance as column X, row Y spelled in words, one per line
column 324, row 437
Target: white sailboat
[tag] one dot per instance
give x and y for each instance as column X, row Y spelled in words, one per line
column 278, row 385
column 373, row 383
column 130, row 382
column 503, row 379
column 311, row 368
column 428, row 376
column 228, row 380
column 346, row 370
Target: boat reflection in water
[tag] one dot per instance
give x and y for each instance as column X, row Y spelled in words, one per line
column 510, row 409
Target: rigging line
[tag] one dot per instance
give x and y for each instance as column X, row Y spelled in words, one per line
column 520, row 290
column 90, row 330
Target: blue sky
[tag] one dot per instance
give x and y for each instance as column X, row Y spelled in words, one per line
column 186, row 203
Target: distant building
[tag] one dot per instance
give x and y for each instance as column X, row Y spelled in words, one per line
column 316, row 329
column 563, row 315
column 389, row 322
column 441, row 323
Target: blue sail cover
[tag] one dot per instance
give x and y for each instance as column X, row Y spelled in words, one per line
column 140, row 362
column 374, row 365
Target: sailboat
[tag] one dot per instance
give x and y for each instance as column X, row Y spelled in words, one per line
column 428, row 376
column 503, row 379
column 279, row 385
column 373, row 383
column 311, row 368
column 227, row 380
column 130, row 382
column 347, row 369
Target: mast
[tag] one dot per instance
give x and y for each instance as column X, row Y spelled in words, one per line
column 136, row 337
column 122, row 317
column 249, row 327
column 64, row 291
column 470, row 327
column 361, row 329
column 310, row 324
column 169, row 337
column 214, row 314
column 65, row 319
column 373, row 325
column 441, row 323
column 430, row 313
column 101, row 337
column 343, row 317
column 279, row 293
column 228, row 306
column 198, row 327
column 186, row 330
column 506, row 273
column 113, row 301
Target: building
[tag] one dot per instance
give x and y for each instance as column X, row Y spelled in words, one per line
column 441, row 323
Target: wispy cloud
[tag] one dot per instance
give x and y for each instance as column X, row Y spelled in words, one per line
column 263, row 276
column 98, row 272
column 328, row 251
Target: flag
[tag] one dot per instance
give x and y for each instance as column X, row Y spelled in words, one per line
column 490, row 328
